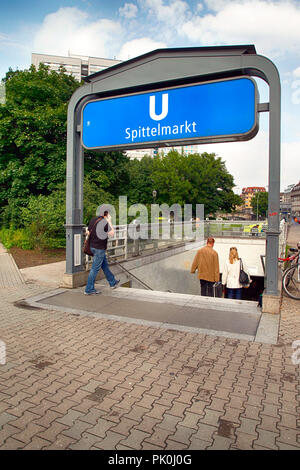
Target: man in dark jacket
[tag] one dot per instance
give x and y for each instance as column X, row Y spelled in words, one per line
column 100, row 229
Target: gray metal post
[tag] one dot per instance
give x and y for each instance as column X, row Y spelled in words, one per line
column 74, row 195
column 274, row 187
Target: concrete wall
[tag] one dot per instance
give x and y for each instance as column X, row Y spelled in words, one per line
column 173, row 273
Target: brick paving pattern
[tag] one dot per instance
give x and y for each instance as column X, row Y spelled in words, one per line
column 76, row 382
column 10, row 275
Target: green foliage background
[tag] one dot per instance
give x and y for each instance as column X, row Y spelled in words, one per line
column 33, row 133
column 259, row 203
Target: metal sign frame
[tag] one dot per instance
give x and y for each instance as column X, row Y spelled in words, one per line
column 163, row 68
column 183, row 141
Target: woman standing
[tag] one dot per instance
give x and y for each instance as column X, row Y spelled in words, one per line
column 231, row 274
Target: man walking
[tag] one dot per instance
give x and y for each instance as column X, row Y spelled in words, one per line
column 100, row 229
column 206, row 262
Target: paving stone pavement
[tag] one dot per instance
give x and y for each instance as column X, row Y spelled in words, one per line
column 10, row 275
column 77, row 382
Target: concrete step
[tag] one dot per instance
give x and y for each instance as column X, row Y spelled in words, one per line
column 243, row 306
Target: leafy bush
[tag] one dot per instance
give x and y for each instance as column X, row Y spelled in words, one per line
column 44, row 217
column 40, row 224
column 21, row 238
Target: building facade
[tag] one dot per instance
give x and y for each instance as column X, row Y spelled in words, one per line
column 286, row 202
column 295, row 200
column 185, row 150
column 140, row 153
column 76, row 65
column 247, row 195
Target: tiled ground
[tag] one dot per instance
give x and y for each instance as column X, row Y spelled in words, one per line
column 76, row 382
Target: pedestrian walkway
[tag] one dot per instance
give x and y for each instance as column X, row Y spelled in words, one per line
column 45, row 275
column 10, row 275
column 73, row 381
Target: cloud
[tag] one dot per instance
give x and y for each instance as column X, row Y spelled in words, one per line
column 272, row 26
column 246, row 161
column 296, row 72
column 138, row 47
column 216, row 5
column 9, row 41
column 129, row 10
column 290, row 164
column 71, row 29
column 172, row 14
column 291, row 121
column 170, row 23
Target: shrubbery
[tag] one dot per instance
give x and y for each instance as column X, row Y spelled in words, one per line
column 44, row 218
column 16, row 237
column 40, row 224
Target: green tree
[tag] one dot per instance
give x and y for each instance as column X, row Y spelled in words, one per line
column 108, row 170
column 94, row 196
column 141, row 184
column 194, row 179
column 259, row 203
column 33, row 124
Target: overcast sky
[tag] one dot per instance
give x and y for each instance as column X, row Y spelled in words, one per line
column 122, row 30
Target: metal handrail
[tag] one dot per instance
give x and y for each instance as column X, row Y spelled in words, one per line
column 263, row 263
column 132, row 275
column 123, row 243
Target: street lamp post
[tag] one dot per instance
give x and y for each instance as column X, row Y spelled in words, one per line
column 154, row 194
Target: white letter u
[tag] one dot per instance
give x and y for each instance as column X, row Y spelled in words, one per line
column 164, row 111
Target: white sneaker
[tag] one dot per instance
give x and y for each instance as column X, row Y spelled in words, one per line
column 93, row 292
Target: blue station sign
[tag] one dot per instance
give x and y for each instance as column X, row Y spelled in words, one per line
column 218, row 111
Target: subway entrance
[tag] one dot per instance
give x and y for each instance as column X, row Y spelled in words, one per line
column 173, row 76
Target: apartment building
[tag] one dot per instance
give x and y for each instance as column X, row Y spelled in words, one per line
column 76, row 65
column 295, row 200
column 286, row 200
column 247, row 195
column 185, row 150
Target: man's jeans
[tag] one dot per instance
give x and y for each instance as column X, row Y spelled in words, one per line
column 99, row 262
column 206, row 288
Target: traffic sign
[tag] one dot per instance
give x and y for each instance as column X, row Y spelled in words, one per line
column 218, row 111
